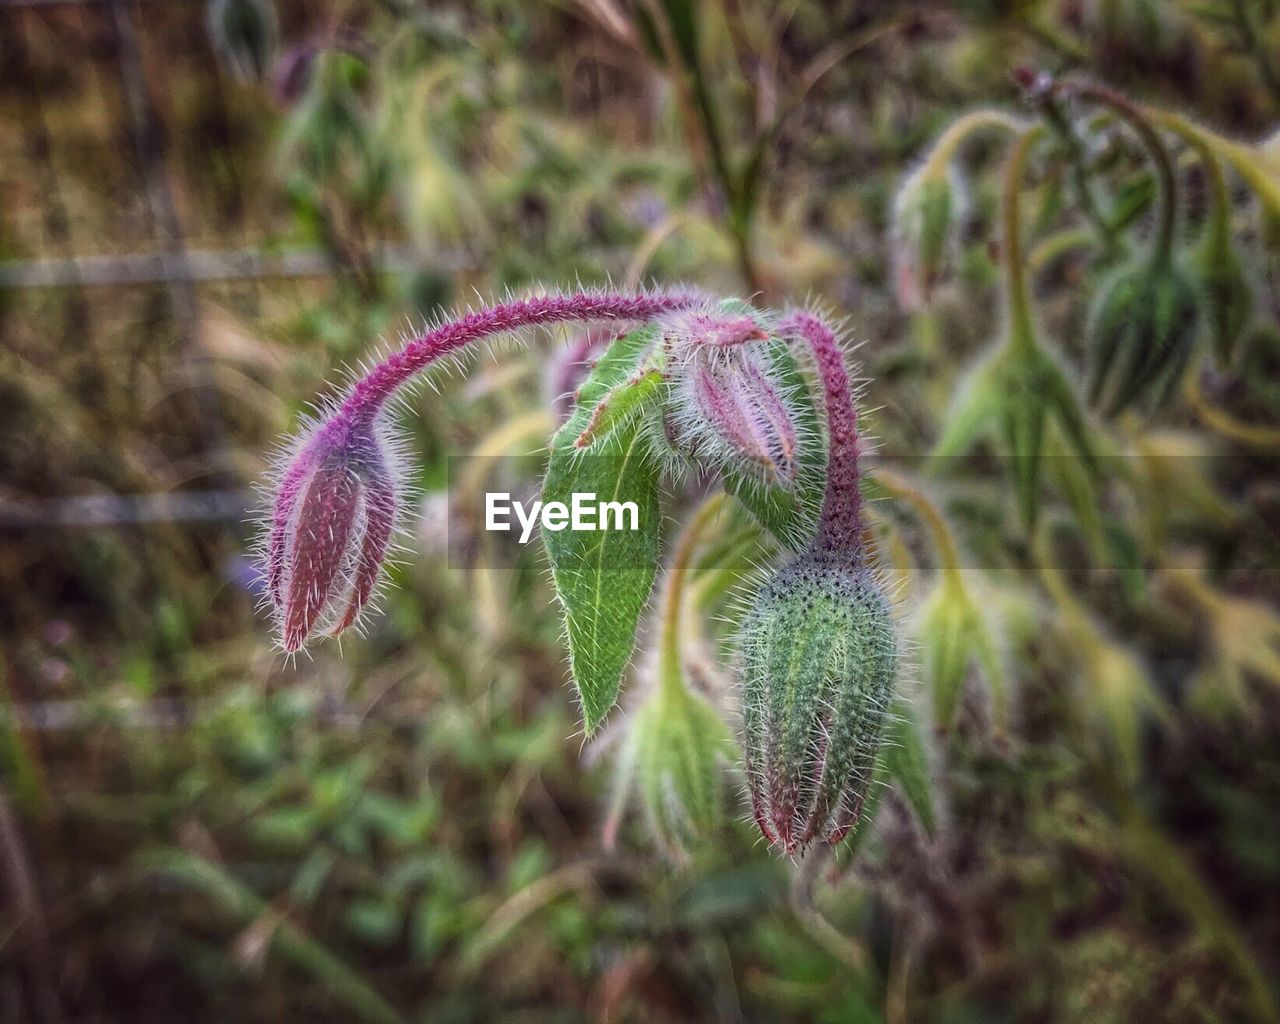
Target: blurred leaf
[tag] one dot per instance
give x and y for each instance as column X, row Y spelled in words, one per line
column 287, row 939
column 906, row 762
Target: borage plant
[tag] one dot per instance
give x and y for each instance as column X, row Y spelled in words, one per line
column 684, row 383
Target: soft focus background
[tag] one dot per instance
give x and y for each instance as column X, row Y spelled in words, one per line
column 209, row 208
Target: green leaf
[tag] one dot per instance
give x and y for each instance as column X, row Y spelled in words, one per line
column 789, row 513
column 906, row 762
column 286, row 939
column 974, row 406
column 603, row 577
column 621, row 406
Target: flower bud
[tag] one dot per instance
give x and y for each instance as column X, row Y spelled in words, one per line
column 1227, row 296
column 1143, row 329
column 726, row 403
column 953, row 635
column 675, row 750
column 332, row 517
column 923, row 214
column 819, row 654
column 244, row 34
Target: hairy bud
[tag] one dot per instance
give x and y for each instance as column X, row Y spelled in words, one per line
column 819, row 656
column 332, row 516
column 1143, row 330
column 673, row 758
column 731, row 410
column 726, row 404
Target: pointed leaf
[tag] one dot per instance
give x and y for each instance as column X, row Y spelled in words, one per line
column 906, row 762
column 603, row 577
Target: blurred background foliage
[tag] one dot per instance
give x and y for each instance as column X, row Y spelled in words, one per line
column 207, row 207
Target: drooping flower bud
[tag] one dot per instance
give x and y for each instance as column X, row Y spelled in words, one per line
column 675, row 749
column 1227, row 296
column 732, row 410
column 726, row 403
column 819, row 656
column 1142, row 332
column 244, row 34
column 333, row 513
column 335, row 499
column 954, row 633
column 923, row 214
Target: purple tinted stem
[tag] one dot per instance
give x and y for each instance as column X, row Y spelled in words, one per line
column 840, row 524
column 371, row 392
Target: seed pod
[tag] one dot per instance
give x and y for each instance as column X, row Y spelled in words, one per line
column 819, row 655
column 923, row 214
column 1142, row 332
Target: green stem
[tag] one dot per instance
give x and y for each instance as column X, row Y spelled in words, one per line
column 1021, row 336
column 670, row 673
column 1136, row 116
column 1246, row 160
column 1080, row 182
column 943, row 540
column 944, row 150
column 1219, row 231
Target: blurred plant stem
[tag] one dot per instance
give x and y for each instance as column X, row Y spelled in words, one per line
column 31, row 931
column 804, row 884
column 184, row 302
column 1221, row 422
column 740, row 185
column 1021, row 333
column 670, row 667
column 1153, row 853
column 283, row 936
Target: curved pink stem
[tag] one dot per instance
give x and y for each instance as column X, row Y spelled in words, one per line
column 840, row 524
column 371, row 392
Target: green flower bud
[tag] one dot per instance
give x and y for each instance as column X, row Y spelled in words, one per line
column 819, row 655
column 675, row 749
column 1142, row 332
column 954, row 635
column 923, row 214
column 244, row 33
column 1228, row 298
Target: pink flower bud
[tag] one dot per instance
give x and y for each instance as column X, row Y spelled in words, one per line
column 332, row 517
column 734, row 409
column 726, row 403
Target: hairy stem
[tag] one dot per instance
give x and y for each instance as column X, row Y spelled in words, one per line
column 943, row 540
column 1247, row 161
column 840, row 523
column 371, row 392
